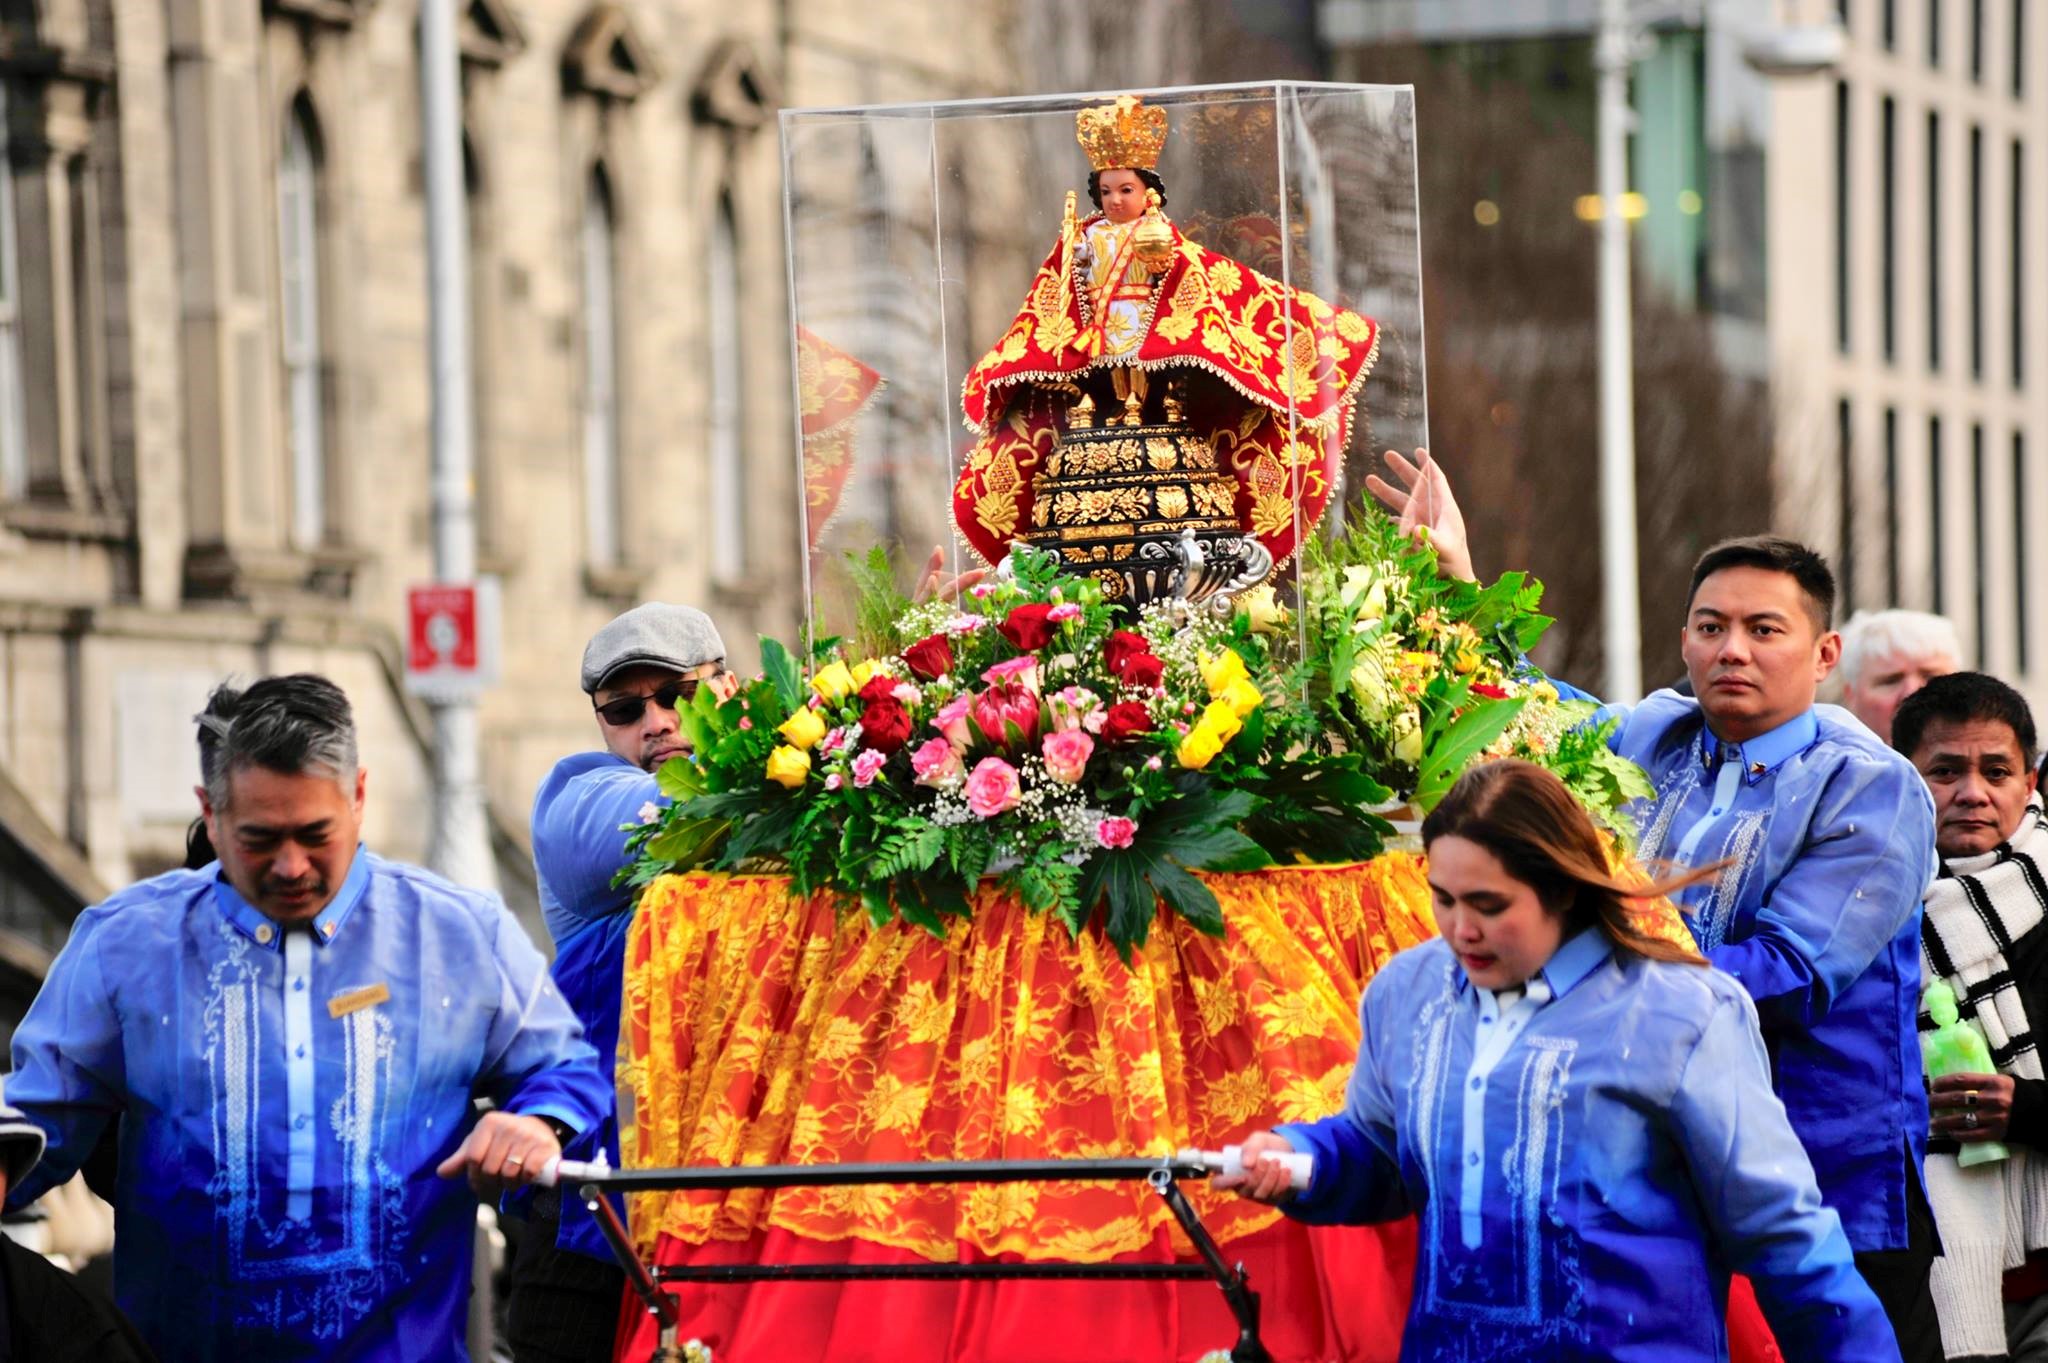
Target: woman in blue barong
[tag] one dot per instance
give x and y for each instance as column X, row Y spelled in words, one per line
column 1578, row 1110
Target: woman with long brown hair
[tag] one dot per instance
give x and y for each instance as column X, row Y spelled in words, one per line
column 1578, row 1110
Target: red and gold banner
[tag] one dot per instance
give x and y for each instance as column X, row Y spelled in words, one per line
column 833, row 388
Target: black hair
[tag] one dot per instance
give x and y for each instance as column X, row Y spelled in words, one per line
column 1775, row 554
column 286, row 724
column 199, row 852
column 1150, row 178
column 1959, row 698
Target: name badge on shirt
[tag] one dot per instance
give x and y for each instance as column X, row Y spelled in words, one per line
column 355, row 1000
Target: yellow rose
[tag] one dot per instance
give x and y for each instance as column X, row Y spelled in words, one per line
column 1221, row 720
column 864, row 672
column 1544, row 692
column 1199, row 748
column 1242, row 697
column 803, row 729
column 789, row 766
column 834, row 681
column 1262, row 609
column 1223, row 669
column 1408, row 738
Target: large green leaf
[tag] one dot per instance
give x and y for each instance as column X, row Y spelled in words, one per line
column 1463, row 739
column 783, row 674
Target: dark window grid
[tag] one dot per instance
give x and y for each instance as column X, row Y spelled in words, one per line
column 1934, row 257
column 1845, row 529
column 1980, row 557
column 1842, row 239
column 1976, row 248
column 1977, row 40
column 1936, row 577
column 1888, row 226
column 1891, row 506
column 2019, row 549
column 1934, row 32
column 2017, row 41
column 2017, row 267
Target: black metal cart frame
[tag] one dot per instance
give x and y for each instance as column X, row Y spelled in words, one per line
column 593, row 1182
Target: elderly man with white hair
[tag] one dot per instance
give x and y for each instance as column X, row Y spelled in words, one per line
column 1888, row 655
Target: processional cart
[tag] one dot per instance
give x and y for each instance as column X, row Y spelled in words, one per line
column 975, row 921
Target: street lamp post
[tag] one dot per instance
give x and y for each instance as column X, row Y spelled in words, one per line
column 460, row 847
column 1620, row 606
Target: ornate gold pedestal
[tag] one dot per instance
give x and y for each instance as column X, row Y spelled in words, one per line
column 1145, row 510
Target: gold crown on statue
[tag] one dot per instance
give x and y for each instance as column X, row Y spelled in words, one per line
column 1125, row 135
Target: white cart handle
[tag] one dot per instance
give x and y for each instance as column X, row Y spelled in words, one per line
column 1229, row 1161
column 559, row 1170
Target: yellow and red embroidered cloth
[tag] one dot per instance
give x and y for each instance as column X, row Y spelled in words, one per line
column 1290, row 363
column 762, row 1029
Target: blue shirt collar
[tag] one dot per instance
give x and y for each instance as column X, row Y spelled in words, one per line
column 1765, row 753
column 265, row 931
column 1568, row 965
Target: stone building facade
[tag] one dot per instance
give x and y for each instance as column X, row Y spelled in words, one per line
column 214, row 402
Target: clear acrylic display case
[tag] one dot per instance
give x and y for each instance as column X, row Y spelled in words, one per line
column 915, row 231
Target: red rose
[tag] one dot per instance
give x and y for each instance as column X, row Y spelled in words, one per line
column 1143, row 670
column 1125, row 718
column 881, row 686
column 1027, row 626
column 884, row 725
column 929, row 658
column 1120, row 648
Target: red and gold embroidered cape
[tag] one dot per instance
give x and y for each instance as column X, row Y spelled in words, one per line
column 1285, row 359
column 832, row 389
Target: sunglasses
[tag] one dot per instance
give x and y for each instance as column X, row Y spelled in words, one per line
column 628, row 709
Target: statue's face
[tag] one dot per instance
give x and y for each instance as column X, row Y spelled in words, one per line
column 1123, row 195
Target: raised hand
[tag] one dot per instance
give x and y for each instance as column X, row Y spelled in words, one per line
column 935, row 585
column 1423, row 501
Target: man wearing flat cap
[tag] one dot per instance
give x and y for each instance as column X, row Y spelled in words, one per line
column 566, row 1287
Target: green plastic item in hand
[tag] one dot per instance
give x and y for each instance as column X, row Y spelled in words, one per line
column 1957, row 1047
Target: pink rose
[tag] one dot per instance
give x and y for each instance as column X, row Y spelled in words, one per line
column 1114, row 832
column 1003, row 707
column 1074, row 707
column 936, row 764
column 964, row 623
column 1066, row 755
column 833, row 782
column 866, row 764
column 951, row 720
column 1022, row 671
column 1063, row 612
column 993, row 788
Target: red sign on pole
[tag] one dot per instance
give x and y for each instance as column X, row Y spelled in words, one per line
column 445, row 646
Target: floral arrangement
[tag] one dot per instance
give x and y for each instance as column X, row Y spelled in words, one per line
column 1091, row 763
column 1425, row 675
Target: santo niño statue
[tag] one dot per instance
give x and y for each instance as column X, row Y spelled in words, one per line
column 1149, row 385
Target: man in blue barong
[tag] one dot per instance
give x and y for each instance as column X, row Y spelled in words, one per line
column 297, row 1041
